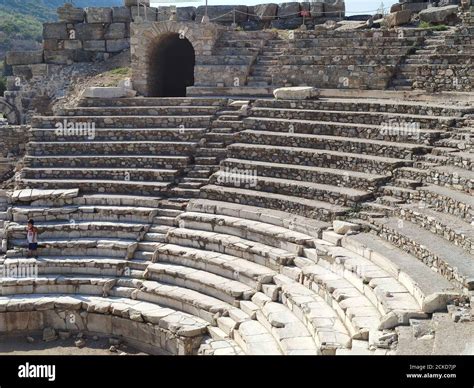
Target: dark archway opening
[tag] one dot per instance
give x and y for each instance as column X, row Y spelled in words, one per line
column 171, row 66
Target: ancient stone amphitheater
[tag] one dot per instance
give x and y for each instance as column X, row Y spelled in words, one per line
column 227, row 221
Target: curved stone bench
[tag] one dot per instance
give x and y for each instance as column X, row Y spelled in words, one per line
column 260, row 232
column 330, row 176
column 207, row 283
column 232, row 245
column 321, row 320
column 319, row 210
column 306, row 226
column 84, row 213
column 147, row 326
column 395, row 150
column 451, row 261
column 80, row 229
column 231, row 267
column 430, row 289
column 121, row 134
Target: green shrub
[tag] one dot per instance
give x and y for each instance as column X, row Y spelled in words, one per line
column 437, row 27
column 3, row 86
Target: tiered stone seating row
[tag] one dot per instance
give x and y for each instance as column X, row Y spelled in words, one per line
column 135, row 146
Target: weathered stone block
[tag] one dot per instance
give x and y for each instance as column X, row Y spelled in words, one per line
column 99, row 323
column 133, row 3
column 90, row 31
column 287, row 10
column 398, row 18
column 296, row 93
column 223, row 13
column 55, row 31
column 186, row 14
column 334, row 8
column 116, row 31
column 264, row 12
column 438, row 14
column 94, row 45
column 117, row 45
column 59, row 57
column 121, row 15
column 107, row 92
column 69, row 13
column 24, row 57
column 99, row 15
column 72, row 44
column 52, row 44
column 317, row 10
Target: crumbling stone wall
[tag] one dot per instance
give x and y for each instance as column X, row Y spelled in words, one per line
column 13, row 139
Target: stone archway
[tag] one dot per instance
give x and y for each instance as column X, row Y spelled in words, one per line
column 146, row 37
column 9, row 112
column 170, row 66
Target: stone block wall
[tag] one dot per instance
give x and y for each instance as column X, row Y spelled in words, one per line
column 13, row 139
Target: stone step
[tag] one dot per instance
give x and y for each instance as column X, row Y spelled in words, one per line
column 296, row 205
column 152, row 101
column 98, row 186
column 231, row 245
column 322, row 322
column 275, row 236
column 452, row 177
column 317, row 158
column 432, row 291
column 254, row 339
column 91, row 122
column 387, row 106
column 366, row 131
column 335, row 143
column 83, row 213
column 111, row 161
column 168, row 110
column 119, row 134
column 281, row 219
column 407, row 183
column 155, row 237
column 334, row 194
column 92, row 148
column 358, row 313
column 447, row 259
column 336, row 177
column 183, row 299
column 82, row 246
column 355, row 117
column 114, row 174
column 452, row 228
column 73, row 229
column 192, row 185
column 402, row 193
column 181, row 192
column 227, row 266
column 219, row 287
column 341, row 269
column 291, row 334
column 447, row 200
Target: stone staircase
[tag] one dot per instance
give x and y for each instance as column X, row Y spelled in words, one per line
column 255, row 265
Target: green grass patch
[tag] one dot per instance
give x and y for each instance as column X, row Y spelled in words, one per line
column 429, row 26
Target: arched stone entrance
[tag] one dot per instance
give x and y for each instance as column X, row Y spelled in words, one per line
column 9, row 112
column 171, row 66
column 147, row 38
